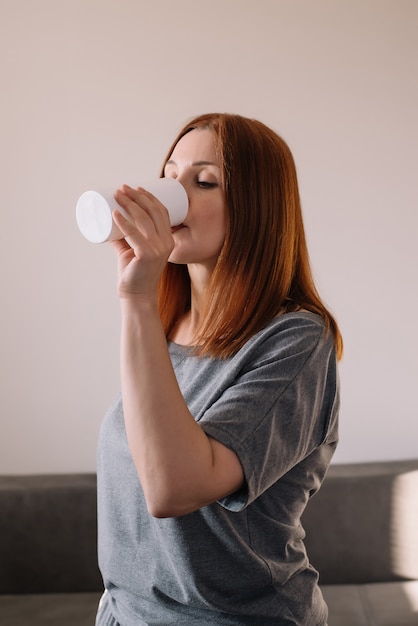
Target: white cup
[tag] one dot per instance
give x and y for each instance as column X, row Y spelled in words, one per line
column 94, row 209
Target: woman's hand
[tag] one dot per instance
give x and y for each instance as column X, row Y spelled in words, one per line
column 148, row 242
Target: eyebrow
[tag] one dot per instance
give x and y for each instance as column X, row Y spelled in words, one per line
column 195, row 164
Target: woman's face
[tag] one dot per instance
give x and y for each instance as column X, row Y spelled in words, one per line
column 194, row 163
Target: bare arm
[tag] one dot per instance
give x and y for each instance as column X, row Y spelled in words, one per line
column 180, row 468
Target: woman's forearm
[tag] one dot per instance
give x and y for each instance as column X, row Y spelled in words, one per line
column 179, row 466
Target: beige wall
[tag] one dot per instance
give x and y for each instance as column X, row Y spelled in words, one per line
column 92, row 93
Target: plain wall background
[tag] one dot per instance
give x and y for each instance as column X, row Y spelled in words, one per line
column 92, row 94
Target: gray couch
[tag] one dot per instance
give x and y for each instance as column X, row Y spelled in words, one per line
column 362, row 535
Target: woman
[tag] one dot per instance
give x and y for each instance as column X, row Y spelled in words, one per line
column 229, row 393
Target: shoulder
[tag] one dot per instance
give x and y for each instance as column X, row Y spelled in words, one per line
column 294, row 332
column 289, row 345
column 286, row 345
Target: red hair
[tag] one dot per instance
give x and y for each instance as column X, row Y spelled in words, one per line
column 263, row 268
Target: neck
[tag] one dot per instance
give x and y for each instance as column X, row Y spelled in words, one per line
column 184, row 332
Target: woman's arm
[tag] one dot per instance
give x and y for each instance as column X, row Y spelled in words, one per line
column 180, row 468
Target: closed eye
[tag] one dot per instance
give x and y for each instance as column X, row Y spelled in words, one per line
column 204, row 184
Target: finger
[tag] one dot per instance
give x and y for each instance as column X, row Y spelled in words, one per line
column 150, row 204
column 133, row 233
column 126, row 223
column 147, row 230
column 120, row 246
column 134, row 210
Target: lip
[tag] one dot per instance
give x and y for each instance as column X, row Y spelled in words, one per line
column 174, row 229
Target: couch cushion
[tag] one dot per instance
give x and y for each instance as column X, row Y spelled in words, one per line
column 78, row 609
column 48, row 534
column 379, row 604
column 361, row 527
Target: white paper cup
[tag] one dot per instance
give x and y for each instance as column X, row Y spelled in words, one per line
column 94, row 209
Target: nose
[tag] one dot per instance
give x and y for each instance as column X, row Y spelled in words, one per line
column 182, row 179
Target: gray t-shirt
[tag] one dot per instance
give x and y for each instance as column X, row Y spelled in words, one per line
column 241, row 560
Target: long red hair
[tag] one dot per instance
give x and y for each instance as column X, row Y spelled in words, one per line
column 263, row 268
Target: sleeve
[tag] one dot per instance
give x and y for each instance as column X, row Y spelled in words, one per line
column 281, row 406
